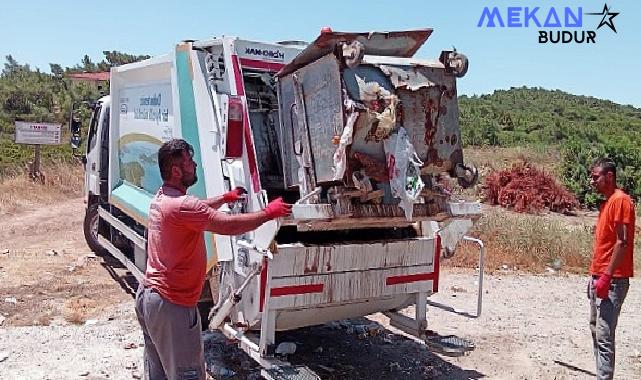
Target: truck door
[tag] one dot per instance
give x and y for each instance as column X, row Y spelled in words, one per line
column 92, row 166
column 96, row 167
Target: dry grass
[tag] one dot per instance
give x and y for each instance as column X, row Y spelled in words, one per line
column 61, row 181
column 533, row 242
column 496, row 158
column 528, row 242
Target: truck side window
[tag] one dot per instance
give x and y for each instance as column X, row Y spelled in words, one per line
column 93, row 128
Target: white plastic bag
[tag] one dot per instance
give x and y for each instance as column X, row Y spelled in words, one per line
column 339, row 158
column 404, row 170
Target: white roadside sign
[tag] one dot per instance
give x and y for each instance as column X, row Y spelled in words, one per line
column 37, row 133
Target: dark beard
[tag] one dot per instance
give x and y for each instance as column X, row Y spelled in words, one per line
column 187, row 182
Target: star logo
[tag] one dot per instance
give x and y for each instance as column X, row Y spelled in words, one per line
column 607, row 17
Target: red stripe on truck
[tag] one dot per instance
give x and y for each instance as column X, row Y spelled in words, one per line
column 296, row 289
column 249, row 142
column 261, row 65
column 405, row 279
column 263, row 284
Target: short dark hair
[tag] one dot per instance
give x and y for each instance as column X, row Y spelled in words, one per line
column 607, row 165
column 170, row 153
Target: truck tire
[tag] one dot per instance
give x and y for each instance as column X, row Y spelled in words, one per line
column 90, row 227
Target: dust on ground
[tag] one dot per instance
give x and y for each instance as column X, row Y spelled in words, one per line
column 67, row 314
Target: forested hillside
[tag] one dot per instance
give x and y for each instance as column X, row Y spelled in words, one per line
column 583, row 128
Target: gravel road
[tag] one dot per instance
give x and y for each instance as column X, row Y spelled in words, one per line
column 532, row 326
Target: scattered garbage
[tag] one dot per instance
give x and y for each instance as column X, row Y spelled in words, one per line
column 90, row 322
column 132, row 366
column 217, row 370
column 4, row 252
column 362, row 331
column 458, row 289
column 2, row 319
column 52, row 252
column 12, row 300
column 3, row 356
column 326, row 368
column 286, row 348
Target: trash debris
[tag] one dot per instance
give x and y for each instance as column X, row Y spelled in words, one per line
column 84, row 373
column 404, row 170
column 52, row 252
column 130, row 346
column 361, row 331
column 458, row 289
column 286, row 348
column 90, row 322
column 4, row 252
column 12, row 300
column 217, row 370
column 325, row 368
column 2, row 319
column 131, row 366
column 318, row 350
column 3, row 356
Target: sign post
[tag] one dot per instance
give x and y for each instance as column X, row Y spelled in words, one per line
column 37, row 134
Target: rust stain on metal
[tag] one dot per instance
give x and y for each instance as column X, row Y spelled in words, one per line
column 311, row 264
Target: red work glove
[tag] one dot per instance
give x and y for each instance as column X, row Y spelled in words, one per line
column 277, row 209
column 234, row 195
column 602, row 286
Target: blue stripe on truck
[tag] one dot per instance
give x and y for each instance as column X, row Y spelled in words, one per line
column 132, row 200
column 189, row 125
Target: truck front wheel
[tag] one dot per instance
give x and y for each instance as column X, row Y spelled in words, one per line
column 90, row 227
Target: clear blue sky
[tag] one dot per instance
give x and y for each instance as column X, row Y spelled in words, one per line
column 40, row 32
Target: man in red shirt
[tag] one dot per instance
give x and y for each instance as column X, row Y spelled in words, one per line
column 612, row 264
column 166, row 301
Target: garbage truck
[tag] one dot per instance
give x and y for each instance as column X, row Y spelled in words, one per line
column 361, row 137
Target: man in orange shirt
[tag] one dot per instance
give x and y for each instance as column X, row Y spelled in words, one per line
column 612, row 264
column 176, row 264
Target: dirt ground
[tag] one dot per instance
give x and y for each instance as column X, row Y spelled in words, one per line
column 67, row 314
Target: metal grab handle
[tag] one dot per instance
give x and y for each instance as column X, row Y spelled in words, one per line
column 479, row 304
column 291, row 122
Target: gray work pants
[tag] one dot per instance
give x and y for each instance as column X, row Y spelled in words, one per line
column 173, row 344
column 604, row 315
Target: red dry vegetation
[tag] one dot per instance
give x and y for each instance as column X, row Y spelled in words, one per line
column 525, row 188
